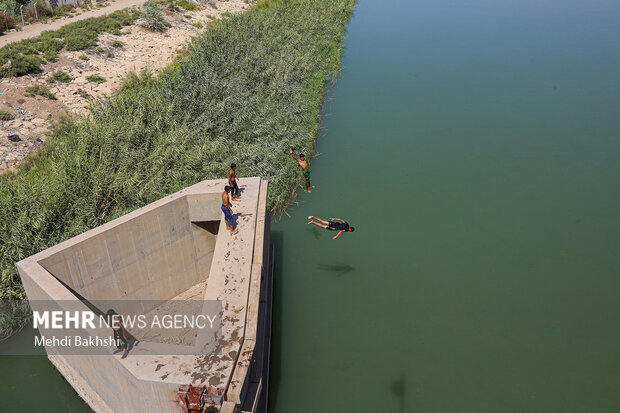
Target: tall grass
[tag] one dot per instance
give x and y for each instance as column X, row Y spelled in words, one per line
column 245, row 91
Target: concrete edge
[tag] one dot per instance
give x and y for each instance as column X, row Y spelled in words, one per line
column 246, row 352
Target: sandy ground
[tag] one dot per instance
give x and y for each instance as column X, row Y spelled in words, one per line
column 140, row 49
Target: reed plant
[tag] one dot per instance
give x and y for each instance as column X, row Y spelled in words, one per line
column 246, row 90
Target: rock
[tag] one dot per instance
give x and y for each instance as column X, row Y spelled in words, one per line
column 38, row 121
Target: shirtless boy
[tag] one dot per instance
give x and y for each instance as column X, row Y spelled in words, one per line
column 334, row 224
column 232, row 181
column 304, row 168
column 227, row 210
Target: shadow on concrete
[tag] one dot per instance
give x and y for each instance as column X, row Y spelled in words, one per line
column 338, row 269
column 275, row 367
column 236, row 217
column 399, row 389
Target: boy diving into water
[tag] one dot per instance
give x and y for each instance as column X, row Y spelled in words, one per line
column 334, row 224
column 304, row 168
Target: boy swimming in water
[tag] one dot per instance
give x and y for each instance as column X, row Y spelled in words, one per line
column 334, row 224
column 304, row 168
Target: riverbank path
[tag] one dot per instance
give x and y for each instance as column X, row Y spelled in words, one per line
column 33, row 30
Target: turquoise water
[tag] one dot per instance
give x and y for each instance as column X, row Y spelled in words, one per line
column 474, row 146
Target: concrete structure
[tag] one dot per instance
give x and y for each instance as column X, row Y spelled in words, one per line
column 174, row 248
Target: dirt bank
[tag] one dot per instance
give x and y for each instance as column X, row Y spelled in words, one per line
column 138, row 49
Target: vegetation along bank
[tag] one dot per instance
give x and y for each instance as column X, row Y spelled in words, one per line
column 246, row 90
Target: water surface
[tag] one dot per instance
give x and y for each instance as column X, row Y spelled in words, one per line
column 474, row 146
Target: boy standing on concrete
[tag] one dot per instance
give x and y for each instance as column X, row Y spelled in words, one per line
column 304, row 168
column 227, row 210
column 232, row 181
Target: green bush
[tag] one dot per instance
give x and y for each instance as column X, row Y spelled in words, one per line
column 59, row 76
column 153, row 18
column 83, row 57
column 110, row 54
column 7, row 21
column 95, row 78
column 245, row 92
column 80, row 40
column 4, row 115
column 41, row 91
column 26, row 56
column 10, row 7
column 197, row 24
column 64, row 10
column 20, row 65
column 134, row 81
column 117, row 44
column 187, row 5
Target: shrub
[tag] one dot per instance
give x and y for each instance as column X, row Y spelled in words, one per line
column 168, row 4
column 80, row 40
column 59, row 76
column 153, row 18
column 6, row 20
column 4, row 115
column 187, row 5
column 19, row 65
column 41, row 91
column 99, row 50
column 134, row 81
column 21, row 58
column 10, row 7
column 95, row 78
column 197, row 24
column 117, row 44
column 64, row 10
column 43, row 11
column 83, row 57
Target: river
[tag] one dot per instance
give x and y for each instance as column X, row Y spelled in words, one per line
column 474, row 146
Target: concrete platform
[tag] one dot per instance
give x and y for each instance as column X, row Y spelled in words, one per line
column 176, row 248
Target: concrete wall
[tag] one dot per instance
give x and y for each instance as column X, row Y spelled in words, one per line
column 104, row 383
column 154, row 256
column 119, row 261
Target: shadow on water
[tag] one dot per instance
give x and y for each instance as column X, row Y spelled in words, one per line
column 275, row 366
column 338, row 269
column 316, row 233
column 399, row 389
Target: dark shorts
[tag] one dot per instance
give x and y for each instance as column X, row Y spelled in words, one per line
column 234, row 189
column 307, row 174
column 332, row 226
